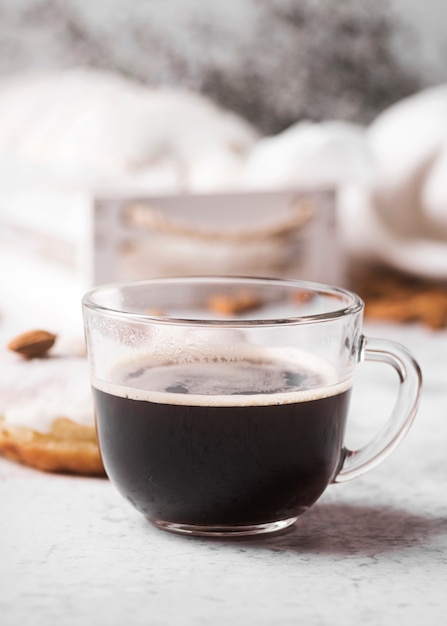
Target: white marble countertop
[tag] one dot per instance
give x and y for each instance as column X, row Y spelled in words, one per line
column 371, row 551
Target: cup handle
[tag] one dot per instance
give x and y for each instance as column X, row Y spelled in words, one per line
column 357, row 462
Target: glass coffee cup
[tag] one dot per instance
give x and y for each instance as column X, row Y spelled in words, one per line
column 221, row 403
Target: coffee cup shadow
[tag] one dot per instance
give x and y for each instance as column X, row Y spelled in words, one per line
column 353, row 530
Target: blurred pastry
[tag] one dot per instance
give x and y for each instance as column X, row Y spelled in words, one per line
column 46, row 411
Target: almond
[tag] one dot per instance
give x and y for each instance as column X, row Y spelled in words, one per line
column 240, row 302
column 34, row 343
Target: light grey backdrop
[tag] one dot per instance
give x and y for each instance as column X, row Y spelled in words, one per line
column 273, row 61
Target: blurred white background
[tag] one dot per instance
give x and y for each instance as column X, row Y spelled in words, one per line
column 191, row 96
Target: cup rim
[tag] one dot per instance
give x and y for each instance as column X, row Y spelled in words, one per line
column 353, row 303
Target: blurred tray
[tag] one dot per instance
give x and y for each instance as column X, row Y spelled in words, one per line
column 105, row 237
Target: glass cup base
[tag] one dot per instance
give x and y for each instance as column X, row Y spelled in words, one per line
column 223, row 531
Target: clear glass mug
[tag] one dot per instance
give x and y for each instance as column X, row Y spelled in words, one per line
column 221, row 403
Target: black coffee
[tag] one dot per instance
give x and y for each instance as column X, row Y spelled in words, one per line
column 220, row 443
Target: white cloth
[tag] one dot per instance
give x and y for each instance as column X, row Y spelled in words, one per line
column 90, row 128
column 93, row 130
column 401, row 219
column 310, row 155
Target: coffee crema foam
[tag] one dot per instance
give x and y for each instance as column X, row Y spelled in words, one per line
column 244, row 377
